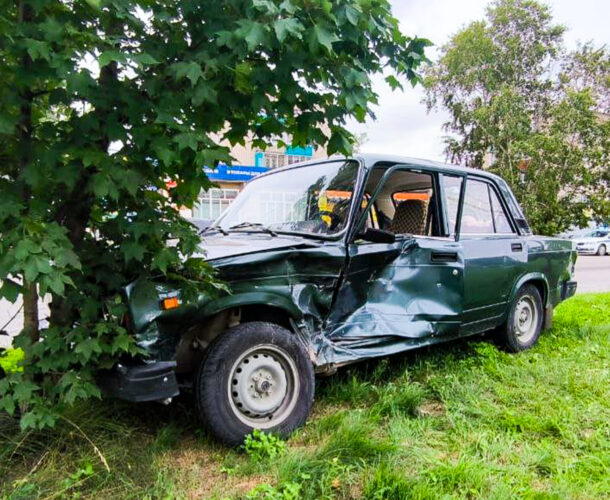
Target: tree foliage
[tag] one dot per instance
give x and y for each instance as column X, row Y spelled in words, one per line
column 523, row 106
column 103, row 102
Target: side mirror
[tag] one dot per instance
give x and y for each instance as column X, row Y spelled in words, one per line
column 377, row 235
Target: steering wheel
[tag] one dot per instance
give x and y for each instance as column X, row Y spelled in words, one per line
column 335, row 219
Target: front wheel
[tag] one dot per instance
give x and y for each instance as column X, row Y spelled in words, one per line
column 255, row 376
column 601, row 250
column 524, row 321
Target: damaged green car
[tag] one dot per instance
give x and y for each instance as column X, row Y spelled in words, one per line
column 336, row 261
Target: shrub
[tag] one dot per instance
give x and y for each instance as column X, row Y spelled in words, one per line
column 10, row 359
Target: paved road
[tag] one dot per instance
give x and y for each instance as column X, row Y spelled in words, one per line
column 592, row 274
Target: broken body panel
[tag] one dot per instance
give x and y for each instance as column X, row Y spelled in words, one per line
column 349, row 299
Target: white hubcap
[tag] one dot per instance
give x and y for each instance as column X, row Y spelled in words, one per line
column 263, row 386
column 526, row 319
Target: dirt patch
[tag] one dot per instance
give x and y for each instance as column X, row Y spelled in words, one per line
column 431, row 409
column 200, row 474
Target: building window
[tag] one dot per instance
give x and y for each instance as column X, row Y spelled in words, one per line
column 213, row 202
column 277, row 160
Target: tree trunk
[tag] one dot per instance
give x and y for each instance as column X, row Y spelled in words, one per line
column 30, row 310
column 75, row 211
column 30, row 290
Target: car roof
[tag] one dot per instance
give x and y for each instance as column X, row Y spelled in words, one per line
column 372, row 160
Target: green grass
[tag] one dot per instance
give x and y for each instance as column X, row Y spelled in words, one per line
column 463, row 420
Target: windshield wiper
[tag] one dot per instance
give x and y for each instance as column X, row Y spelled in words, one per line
column 257, row 225
column 213, row 228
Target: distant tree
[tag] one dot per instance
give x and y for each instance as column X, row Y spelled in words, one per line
column 102, row 102
column 524, row 107
column 359, row 140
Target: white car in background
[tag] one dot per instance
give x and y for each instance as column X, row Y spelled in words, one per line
column 595, row 242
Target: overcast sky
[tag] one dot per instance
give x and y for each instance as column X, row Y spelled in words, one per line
column 402, row 125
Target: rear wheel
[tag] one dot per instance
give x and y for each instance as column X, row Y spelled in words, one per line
column 255, row 376
column 601, row 250
column 524, row 321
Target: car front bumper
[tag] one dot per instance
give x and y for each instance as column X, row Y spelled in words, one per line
column 587, row 250
column 155, row 381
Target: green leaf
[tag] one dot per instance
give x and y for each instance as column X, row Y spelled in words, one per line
column 204, row 92
column 243, row 78
column 225, row 38
column 24, row 390
column 288, row 7
column 10, row 290
column 96, row 4
column 121, row 343
column 324, row 37
column 101, row 185
column 56, row 284
column 80, row 82
column 43, row 264
column 111, row 56
column 25, row 248
column 132, row 250
column 87, row 347
column 393, row 82
column 285, row 27
column 163, row 259
column 266, row 6
column 145, row 59
column 190, row 70
column 352, row 15
column 252, row 32
column 339, row 142
column 187, row 140
column 37, row 49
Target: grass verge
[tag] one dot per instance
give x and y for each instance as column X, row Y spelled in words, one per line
column 463, row 420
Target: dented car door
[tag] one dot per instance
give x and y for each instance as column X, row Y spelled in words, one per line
column 396, row 295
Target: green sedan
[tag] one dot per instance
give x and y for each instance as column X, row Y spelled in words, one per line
column 333, row 262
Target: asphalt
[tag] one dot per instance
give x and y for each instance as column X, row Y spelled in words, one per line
column 592, row 275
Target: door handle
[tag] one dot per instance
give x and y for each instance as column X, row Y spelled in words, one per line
column 440, row 256
column 516, row 247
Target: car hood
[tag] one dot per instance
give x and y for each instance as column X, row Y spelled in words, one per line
column 218, row 246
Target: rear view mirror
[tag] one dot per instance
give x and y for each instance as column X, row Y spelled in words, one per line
column 377, row 236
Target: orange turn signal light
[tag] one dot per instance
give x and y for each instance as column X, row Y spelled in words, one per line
column 170, row 303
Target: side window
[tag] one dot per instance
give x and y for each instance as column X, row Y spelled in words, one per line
column 405, row 203
column 476, row 214
column 500, row 218
column 452, row 186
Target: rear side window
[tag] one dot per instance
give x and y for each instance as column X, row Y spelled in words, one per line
column 502, row 225
column 477, row 216
column 452, row 187
column 483, row 212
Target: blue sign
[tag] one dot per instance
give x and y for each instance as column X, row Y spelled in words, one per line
column 300, row 151
column 233, row 173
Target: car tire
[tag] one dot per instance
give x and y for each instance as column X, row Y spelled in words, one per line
column 257, row 375
column 601, row 250
column 524, row 322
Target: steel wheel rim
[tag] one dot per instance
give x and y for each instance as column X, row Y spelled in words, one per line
column 526, row 319
column 263, row 386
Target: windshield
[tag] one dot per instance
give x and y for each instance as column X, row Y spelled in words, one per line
column 311, row 199
column 598, row 234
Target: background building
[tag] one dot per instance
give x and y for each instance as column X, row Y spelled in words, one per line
column 249, row 163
